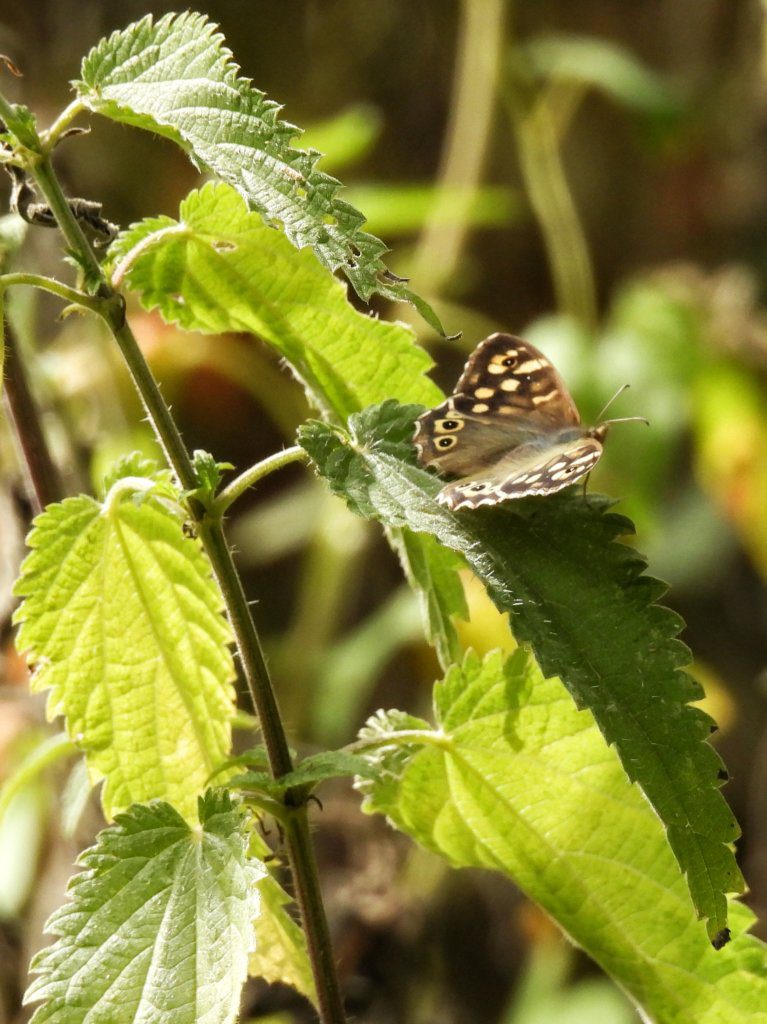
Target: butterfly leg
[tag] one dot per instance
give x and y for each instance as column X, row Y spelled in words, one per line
column 585, row 488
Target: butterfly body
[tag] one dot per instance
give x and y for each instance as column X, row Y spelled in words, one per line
column 510, row 430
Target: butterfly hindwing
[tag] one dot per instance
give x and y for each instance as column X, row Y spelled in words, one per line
column 455, row 439
column 546, row 471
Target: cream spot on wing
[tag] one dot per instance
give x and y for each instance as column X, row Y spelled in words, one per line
column 484, row 392
column 531, row 366
column 511, row 352
column 522, row 478
column 509, row 385
column 480, row 407
column 496, row 368
column 506, row 410
column 534, row 478
column 540, row 399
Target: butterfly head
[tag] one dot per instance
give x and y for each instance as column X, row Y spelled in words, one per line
column 599, row 432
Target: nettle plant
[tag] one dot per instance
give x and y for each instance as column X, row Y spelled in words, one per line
column 575, row 766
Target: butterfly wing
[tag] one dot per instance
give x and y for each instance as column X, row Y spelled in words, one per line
column 455, row 439
column 509, row 393
column 515, row 380
column 535, row 468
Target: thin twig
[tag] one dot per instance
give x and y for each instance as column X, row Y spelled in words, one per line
column 42, row 473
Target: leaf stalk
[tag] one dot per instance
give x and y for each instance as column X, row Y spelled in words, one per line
column 251, row 476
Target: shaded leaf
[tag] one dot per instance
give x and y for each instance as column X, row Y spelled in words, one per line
column 582, row 602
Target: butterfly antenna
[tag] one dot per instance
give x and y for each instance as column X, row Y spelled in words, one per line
column 626, row 419
column 617, row 394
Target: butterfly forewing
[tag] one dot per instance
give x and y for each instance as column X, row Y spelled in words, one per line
column 513, row 378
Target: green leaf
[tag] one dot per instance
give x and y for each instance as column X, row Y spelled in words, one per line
column 136, row 465
column 208, row 473
column 159, row 925
column 175, row 77
column 218, row 268
column 281, row 953
column 603, row 65
column 514, row 778
column 19, row 127
column 328, row 764
column 123, row 622
column 405, row 207
column 582, row 602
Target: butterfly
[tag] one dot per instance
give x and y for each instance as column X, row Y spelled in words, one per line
column 510, row 430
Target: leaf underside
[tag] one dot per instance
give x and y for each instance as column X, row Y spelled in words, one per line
column 176, row 77
column 581, row 601
column 515, row 779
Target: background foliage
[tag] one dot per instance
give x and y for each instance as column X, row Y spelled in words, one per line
column 603, row 194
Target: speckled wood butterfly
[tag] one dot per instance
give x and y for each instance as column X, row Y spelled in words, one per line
column 510, row 430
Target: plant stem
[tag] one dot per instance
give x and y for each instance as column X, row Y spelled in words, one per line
column 540, row 159
column 44, row 479
column 68, row 224
column 303, row 867
column 210, row 530
column 51, row 137
column 50, row 284
column 251, row 477
column 481, row 43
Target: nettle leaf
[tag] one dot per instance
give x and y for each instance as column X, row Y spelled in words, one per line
column 514, row 778
column 177, row 78
column 218, row 268
column 123, row 622
column 159, row 925
column 328, row 764
column 582, row 602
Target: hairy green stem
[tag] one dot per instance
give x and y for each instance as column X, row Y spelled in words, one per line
column 68, row 224
column 303, row 867
column 251, row 476
column 210, row 530
column 50, row 284
column 481, row 42
column 51, row 137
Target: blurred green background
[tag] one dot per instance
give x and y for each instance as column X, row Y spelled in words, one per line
column 592, row 175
